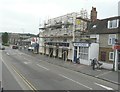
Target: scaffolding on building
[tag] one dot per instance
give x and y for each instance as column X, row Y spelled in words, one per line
column 72, row 25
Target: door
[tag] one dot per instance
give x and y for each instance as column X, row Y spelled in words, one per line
column 75, row 54
column 56, row 52
column 50, row 52
column 103, row 56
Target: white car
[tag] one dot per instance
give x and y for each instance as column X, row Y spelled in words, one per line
column 30, row 48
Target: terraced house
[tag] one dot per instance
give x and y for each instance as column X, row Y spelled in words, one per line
column 108, row 31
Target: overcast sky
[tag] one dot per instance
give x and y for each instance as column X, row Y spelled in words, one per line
column 24, row 16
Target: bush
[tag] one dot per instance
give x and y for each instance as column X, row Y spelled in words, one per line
column 5, row 44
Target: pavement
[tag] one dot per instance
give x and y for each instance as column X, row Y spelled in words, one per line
column 104, row 74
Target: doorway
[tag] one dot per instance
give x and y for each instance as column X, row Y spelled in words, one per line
column 51, row 52
column 64, row 54
column 75, row 54
column 57, row 52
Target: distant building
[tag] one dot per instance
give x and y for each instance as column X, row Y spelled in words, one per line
column 18, row 39
column 119, row 8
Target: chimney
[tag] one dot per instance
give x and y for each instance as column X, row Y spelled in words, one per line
column 93, row 14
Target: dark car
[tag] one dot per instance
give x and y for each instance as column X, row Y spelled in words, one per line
column 14, row 47
column 2, row 48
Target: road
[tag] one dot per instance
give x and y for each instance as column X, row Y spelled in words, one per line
column 30, row 73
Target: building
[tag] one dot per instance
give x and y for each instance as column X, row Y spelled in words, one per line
column 119, row 8
column 13, row 38
column 66, row 37
column 107, row 30
column 19, row 39
column 59, row 34
column 86, row 48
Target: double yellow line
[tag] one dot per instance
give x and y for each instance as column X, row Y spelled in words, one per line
column 24, row 79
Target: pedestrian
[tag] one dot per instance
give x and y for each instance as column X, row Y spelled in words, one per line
column 94, row 63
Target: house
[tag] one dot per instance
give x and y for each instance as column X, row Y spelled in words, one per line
column 107, row 30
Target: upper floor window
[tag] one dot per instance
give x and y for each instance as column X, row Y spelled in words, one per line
column 111, row 39
column 113, row 23
column 64, row 40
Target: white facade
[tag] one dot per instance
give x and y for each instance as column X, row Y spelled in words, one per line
column 119, row 8
column 86, row 52
column 58, row 36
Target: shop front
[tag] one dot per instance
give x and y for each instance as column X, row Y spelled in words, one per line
column 85, row 52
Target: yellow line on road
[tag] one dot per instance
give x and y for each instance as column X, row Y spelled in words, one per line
column 24, row 79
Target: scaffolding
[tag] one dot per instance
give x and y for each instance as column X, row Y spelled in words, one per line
column 70, row 26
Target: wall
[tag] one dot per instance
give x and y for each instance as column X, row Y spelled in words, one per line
column 104, row 40
column 54, row 51
column 47, row 51
column 60, row 53
column 70, row 54
column 93, row 50
column 119, row 8
column 107, row 50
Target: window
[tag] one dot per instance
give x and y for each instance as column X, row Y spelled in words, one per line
column 94, row 26
column 111, row 39
column 113, row 23
column 83, row 53
column 111, row 56
column 64, row 40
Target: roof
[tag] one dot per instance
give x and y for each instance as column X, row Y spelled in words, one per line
column 101, row 26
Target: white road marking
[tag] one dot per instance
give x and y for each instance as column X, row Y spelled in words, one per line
column 98, row 70
column 43, row 67
column 26, row 62
column 75, row 81
column 103, row 73
column 27, row 59
column 108, row 88
column 7, row 53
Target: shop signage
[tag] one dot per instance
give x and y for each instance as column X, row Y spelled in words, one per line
column 81, row 44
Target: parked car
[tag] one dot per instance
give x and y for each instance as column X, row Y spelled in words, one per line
column 14, row 47
column 2, row 48
column 30, row 48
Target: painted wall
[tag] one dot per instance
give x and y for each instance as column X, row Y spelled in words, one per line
column 54, row 52
column 70, row 54
column 47, row 51
column 93, row 50
column 60, row 52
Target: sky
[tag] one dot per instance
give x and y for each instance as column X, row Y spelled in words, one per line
column 24, row 16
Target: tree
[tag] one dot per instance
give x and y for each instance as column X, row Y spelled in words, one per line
column 5, row 38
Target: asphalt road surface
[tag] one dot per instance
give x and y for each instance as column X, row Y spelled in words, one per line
column 30, row 73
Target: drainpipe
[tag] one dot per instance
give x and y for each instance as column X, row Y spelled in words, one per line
column 74, row 24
